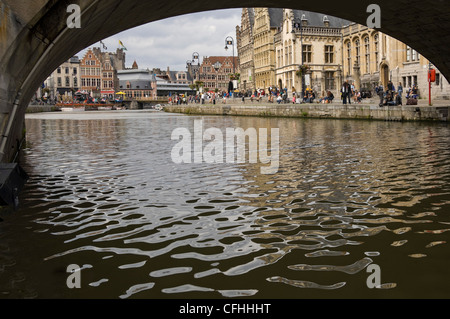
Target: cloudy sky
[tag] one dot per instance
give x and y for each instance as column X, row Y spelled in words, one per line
column 171, row 42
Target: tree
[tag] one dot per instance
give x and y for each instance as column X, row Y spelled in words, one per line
column 302, row 70
column 235, row 76
column 197, row 85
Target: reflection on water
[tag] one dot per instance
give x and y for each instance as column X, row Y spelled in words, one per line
column 105, row 195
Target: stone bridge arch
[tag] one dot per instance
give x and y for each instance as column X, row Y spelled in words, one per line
column 35, row 39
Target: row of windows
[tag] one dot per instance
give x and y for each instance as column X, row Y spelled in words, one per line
column 411, row 55
column 208, row 69
column 357, row 50
column 138, row 94
column 90, row 71
column 307, row 54
column 90, row 62
column 108, row 84
column 212, row 85
column 67, row 70
column 108, row 75
column 67, row 82
column 262, row 59
column 330, row 81
column 91, row 83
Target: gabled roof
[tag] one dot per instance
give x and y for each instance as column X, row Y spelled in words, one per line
column 276, row 17
column 221, row 59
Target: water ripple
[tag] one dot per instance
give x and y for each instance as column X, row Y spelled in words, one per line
column 104, row 192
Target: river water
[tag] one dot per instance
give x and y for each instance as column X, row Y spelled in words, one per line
column 351, row 199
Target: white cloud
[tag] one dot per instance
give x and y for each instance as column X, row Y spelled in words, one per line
column 172, row 41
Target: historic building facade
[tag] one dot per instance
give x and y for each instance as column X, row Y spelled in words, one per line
column 111, row 62
column 365, row 55
column 136, row 84
column 313, row 40
column 64, row 81
column 91, row 78
column 215, row 72
column 372, row 58
column 244, row 38
column 334, row 50
column 266, row 25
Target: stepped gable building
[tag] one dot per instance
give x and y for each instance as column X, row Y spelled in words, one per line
column 215, row 72
column 99, row 72
column 91, row 78
column 244, row 39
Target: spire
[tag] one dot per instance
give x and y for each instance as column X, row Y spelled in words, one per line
column 135, row 65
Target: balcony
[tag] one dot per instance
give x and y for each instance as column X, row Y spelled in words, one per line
column 318, row 31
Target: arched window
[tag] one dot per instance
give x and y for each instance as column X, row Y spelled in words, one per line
column 367, row 53
column 358, row 51
column 290, row 52
column 376, row 41
column 349, row 57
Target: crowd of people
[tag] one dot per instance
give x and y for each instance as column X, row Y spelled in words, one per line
column 389, row 95
column 392, row 96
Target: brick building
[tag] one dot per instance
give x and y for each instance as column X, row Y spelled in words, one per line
column 91, row 74
column 216, row 71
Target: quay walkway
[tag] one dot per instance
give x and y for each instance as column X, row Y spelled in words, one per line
column 368, row 110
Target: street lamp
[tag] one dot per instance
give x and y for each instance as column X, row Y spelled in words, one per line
column 299, row 25
column 230, row 41
column 217, row 66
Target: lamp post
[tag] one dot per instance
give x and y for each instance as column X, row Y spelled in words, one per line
column 217, row 67
column 230, row 41
column 299, row 25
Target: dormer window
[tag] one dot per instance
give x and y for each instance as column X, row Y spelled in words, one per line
column 304, row 20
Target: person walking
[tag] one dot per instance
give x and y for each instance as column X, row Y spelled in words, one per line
column 400, row 89
column 380, row 92
column 347, row 93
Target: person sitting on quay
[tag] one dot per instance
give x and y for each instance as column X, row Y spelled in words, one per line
column 357, row 97
column 279, row 99
column 388, row 98
column 327, row 99
column 309, row 96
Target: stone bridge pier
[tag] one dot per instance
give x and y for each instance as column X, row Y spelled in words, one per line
column 35, row 37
